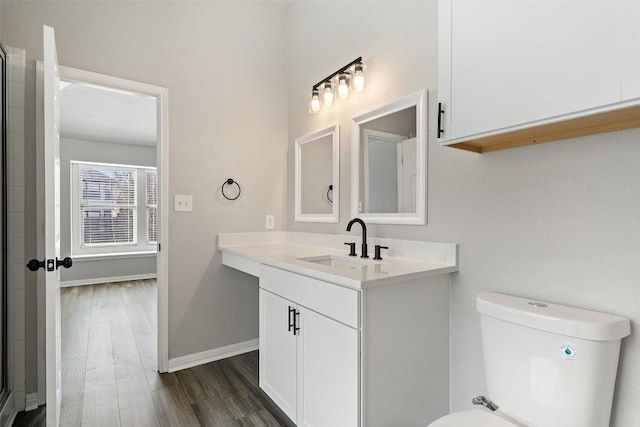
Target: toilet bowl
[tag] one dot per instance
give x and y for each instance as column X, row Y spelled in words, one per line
column 545, row 365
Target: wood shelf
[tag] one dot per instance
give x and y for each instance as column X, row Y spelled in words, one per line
column 607, row 121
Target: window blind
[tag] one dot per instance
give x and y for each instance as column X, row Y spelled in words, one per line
column 107, row 205
column 152, row 205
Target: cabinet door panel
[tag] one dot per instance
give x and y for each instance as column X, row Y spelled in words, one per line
column 277, row 353
column 514, row 62
column 630, row 42
column 327, row 372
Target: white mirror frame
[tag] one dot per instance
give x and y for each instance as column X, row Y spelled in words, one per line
column 334, row 216
column 419, row 100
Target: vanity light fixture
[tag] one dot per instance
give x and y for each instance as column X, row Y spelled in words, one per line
column 352, row 73
column 358, row 77
column 343, row 88
column 314, row 105
column 328, row 93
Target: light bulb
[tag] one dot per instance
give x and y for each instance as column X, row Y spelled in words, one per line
column 315, row 102
column 328, row 94
column 343, row 88
column 358, row 78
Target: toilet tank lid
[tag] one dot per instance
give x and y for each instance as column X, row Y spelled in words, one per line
column 555, row 318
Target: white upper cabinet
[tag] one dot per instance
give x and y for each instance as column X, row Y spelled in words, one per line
column 512, row 65
column 630, row 49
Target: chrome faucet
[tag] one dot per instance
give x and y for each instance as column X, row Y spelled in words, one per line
column 364, row 235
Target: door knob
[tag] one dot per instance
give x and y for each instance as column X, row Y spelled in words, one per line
column 66, row 263
column 35, row 265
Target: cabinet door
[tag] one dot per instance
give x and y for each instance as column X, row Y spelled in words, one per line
column 277, row 352
column 328, row 392
column 516, row 62
column 630, row 42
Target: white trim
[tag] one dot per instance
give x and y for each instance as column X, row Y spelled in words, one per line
column 162, row 164
column 97, row 280
column 334, row 216
column 116, row 165
column 212, row 355
column 419, row 101
column 31, row 402
column 117, row 255
column 8, row 412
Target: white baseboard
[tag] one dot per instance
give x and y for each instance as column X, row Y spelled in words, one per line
column 98, row 280
column 8, row 411
column 31, row 402
column 212, row 355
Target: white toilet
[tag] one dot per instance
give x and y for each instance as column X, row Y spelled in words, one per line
column 546, row 365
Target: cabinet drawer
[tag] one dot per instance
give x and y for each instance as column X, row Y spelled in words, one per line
column 333, row 301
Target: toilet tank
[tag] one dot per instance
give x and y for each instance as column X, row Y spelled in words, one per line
column 550, row 365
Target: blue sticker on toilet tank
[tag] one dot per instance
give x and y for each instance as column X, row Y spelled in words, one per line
column 568, row 351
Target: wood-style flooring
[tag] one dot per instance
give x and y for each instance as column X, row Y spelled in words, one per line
column 109, row 374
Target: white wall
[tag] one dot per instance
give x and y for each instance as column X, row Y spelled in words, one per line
column 557, row 221
column 224, row 66
column 89, row 270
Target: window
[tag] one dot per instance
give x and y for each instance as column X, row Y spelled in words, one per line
column 106, row 217
column 152, row 205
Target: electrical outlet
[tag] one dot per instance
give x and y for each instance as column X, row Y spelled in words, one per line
column 270, row 222
column 183, row 203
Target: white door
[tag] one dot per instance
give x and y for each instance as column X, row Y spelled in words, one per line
column 327, row 372
column 278, row 351
column 408, row 173
column 52, row 224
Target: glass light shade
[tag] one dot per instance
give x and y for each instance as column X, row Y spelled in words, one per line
column 343, row 88
column 327, row 94
column 358, row 78
column 314, row 104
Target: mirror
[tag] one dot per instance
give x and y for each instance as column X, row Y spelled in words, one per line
column 317, row 176
column 388, row 155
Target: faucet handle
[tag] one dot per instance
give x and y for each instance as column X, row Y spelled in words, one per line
column 352, row 248
column 377, row 251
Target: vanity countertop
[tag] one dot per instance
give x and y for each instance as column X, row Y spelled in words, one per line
column 284, row 251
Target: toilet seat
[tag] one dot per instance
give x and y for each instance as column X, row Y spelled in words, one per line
column 472, row 418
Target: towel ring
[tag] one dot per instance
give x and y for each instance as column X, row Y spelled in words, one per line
column 230, row 181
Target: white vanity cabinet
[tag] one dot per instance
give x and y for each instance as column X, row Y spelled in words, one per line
column 308, row 361
column 334, row 356
column 508, row 66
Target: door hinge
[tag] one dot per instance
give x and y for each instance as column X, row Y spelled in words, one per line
column 158, row 247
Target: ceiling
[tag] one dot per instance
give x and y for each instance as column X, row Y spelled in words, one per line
column 106, row 114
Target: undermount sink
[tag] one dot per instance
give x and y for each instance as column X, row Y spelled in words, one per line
column 337, row 261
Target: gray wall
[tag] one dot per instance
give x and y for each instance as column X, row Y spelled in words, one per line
column 557, row 221
column 224, row 64
column 95, row 151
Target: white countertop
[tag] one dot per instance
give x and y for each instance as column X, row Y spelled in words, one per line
column 284, row 251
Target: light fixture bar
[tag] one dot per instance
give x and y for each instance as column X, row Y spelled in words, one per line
column 358, row 60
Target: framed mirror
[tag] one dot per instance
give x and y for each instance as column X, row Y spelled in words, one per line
column 388, row 163
column 317, row 192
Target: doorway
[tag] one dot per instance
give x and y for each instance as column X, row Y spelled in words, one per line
column 117, row 185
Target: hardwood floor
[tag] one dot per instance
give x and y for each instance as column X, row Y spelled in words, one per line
column 109, row 375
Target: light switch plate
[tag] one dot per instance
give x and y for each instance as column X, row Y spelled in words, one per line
column 183, row 203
